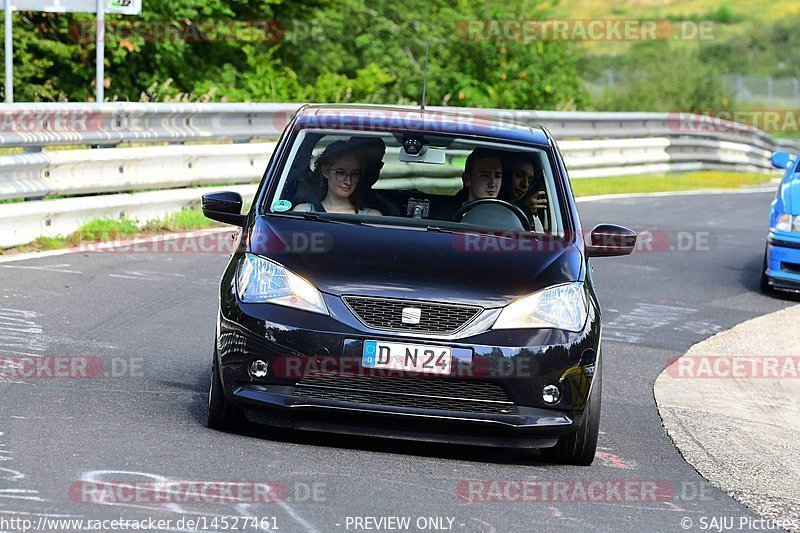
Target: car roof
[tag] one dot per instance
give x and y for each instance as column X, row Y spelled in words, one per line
column 464, row 122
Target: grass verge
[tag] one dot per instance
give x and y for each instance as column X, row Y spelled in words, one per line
column 687, row 181
column 100, row 230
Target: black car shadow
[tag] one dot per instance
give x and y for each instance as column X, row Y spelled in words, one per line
column 456, row 452
column 197, row 407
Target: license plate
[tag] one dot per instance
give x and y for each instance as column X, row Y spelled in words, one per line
column 407, row 357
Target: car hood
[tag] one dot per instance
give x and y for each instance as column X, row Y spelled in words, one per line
column 343, row 258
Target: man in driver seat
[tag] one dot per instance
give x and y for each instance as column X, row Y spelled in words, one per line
column 482, row 177
column 483, row 174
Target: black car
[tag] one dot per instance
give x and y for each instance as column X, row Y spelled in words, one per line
column 413, row 274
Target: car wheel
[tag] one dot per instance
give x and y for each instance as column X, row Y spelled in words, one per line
column 578, row 448
column 222, row 415
column 766, row 288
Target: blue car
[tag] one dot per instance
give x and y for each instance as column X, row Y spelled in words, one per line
column 781, row 269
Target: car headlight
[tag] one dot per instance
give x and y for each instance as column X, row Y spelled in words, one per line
column 559, row 307
column 263, row 281
column 788, row 222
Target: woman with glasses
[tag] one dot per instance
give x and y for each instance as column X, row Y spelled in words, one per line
column 339, row 182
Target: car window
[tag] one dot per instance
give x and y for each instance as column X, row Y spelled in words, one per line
column 362, row 175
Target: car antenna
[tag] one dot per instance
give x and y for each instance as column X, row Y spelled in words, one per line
column 424, row 77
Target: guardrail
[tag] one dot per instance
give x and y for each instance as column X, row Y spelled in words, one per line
column 55, row 124
column 234, row 151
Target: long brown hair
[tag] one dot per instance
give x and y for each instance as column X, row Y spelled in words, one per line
column 328, row 157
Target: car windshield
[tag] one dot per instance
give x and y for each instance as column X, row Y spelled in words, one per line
column 418, row 180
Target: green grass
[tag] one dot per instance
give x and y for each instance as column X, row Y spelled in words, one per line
column 110, row 229
column 729, row 17
column 729, row 12
column 104, row 230
column 44, row 243
column 688, row 181
column 186, row 219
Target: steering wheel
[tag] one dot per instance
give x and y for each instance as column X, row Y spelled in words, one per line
column 492, row 202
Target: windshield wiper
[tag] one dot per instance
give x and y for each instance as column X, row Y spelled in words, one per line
column 485, row 232
column 475, row 231
column 316, row 216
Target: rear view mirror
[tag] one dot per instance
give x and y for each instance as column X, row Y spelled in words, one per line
column 607, row 240
column 436, row 156
column 781, row 160
column 224, row 207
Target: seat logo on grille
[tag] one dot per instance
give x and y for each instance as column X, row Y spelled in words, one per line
column 411, row 315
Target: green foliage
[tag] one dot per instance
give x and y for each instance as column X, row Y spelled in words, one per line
column 322, row 51
column 722, row 14
column 662, row 76
column 464, row 69
column 764, row 49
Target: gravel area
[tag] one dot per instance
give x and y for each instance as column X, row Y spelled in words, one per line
column 731, row 405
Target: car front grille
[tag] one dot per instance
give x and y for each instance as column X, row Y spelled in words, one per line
column 387, row 314
column 420, row 393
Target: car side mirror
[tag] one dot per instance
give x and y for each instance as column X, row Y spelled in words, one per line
column 224, row 207
column 781, row 160
column 607, row 240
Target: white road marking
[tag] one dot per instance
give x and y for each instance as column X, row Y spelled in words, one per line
column 146, row 275
column 296, row 516
column 20, row 334
column 51, row 268
column 5, row 351
column 29, row 498
column 33, row 330
column 674, row 507
column 487, row 524
column 98, row 475
column 635, row 325
column 51, row 515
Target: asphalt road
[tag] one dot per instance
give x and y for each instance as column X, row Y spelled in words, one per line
column 150, row 319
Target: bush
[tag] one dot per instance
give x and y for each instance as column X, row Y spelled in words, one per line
column 663, row 76
column 329, row 51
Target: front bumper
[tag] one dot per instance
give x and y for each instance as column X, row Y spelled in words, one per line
column 529, row 427
column 783, row 260
column 519, row 363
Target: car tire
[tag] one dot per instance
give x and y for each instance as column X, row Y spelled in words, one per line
column 578, row 448
column 222, row 415
column 766, row 288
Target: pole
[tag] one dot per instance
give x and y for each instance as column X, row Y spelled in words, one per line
column 100, row 39
column 9, row 55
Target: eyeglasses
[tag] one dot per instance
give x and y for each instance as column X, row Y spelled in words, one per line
column 341, row 174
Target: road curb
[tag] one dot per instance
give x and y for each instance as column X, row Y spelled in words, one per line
column 105, row 246
column 734, row 419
